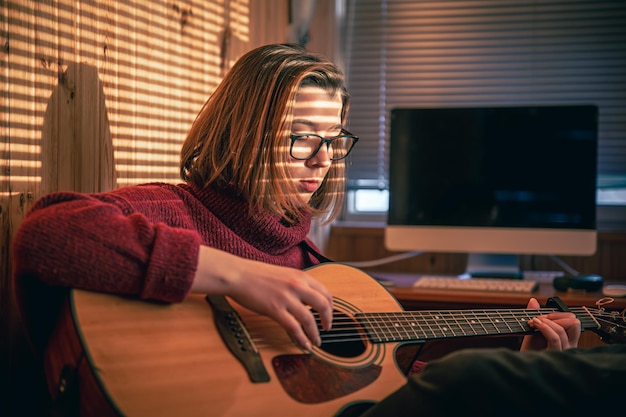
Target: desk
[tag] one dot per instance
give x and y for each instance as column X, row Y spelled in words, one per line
column 414, row 299
column 411, row 298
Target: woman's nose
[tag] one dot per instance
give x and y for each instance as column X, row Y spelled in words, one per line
column 322, row 157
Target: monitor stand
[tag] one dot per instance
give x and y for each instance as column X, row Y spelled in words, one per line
column 488, row 265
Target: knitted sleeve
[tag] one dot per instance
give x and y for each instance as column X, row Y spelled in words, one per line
column 97, row 242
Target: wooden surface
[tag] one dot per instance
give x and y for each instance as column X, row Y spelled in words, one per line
column 422, row 298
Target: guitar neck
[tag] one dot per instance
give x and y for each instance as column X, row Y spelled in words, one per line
column 427, row 325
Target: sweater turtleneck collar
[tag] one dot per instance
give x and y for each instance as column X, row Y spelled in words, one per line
column 267, row 232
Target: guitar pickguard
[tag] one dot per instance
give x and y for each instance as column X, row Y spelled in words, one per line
column 310, row 380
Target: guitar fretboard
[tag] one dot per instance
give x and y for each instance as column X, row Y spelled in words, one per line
column 424, row 325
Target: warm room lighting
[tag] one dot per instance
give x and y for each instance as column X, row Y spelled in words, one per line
column 155, row 66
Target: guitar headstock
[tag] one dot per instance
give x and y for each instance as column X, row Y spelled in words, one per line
column 611, row 325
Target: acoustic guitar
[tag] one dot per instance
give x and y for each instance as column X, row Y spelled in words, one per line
column 209, row 356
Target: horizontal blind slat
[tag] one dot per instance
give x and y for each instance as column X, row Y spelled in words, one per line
column 475, row 53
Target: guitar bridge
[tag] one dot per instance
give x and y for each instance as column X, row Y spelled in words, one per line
column 235, row 335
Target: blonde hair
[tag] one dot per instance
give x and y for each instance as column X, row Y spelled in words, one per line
column 239, row 138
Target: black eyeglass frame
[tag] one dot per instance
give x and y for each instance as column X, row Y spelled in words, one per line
column 343, row 134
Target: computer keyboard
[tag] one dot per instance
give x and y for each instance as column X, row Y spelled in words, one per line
column 476, row 284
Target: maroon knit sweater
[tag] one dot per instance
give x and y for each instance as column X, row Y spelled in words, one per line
column 144, row 240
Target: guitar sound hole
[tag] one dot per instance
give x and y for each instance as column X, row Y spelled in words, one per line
column 345, row 339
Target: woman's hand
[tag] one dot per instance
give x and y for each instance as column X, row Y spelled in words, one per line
column 286, row 295
column 559, row 330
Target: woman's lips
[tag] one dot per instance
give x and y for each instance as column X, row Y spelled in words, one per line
column 310, row 186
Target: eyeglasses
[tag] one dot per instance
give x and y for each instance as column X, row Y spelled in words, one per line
column 305, row 146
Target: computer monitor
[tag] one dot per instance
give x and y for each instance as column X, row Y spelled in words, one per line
column 498, row 180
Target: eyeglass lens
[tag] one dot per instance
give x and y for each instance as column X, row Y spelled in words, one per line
column 305, row 147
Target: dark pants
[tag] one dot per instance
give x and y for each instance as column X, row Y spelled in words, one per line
column 502, row 382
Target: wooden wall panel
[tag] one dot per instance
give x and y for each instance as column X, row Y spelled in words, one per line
column 100, row 94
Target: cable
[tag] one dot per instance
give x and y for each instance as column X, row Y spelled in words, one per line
column 382, row 261
column 565, row 266
column 406, row 255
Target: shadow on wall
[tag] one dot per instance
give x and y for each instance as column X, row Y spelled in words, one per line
column 77, row 149
column 76, row 155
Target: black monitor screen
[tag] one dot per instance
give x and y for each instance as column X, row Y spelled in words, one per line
column 532, row 166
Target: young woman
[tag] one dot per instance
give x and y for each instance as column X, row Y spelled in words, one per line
column 265, row 154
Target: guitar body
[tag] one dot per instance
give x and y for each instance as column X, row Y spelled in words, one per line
column 138, row 358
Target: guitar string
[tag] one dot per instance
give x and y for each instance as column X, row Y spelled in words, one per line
column 389, row 326
column 341, row 318
column 347, row 329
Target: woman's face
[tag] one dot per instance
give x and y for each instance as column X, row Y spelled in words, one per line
column 320, row 114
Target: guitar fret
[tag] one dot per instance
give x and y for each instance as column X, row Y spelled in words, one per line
column 449, row 326
column 459, row 326
column 444, row 330
column 417, row 329
column 402, row 326
column 433, row 334
column 472, row 324
column 503, row 325
column 374, row 326
column 489, row 325
column 389, row 329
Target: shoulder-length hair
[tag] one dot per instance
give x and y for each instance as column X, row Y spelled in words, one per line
column 240, row 138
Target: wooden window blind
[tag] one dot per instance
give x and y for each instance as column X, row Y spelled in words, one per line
column 87, row 84
column 476, row 53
